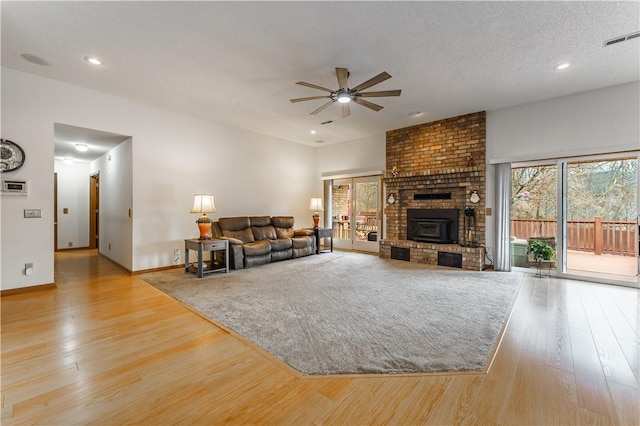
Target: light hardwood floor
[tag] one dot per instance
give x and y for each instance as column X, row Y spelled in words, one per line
column 106, row 348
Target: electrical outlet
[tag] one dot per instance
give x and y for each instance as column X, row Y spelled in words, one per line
column 109, row 246
column 70, row 244
column 28, row 268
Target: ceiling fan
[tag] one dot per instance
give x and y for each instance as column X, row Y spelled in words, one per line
column 345, row 95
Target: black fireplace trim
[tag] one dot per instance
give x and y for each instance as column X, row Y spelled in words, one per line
column 433, row 196
column 450, row 215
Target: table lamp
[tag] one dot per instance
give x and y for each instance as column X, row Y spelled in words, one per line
column 316, row 204
column 203, row 203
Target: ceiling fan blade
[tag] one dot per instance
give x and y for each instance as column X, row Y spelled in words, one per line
column 322, row 107
column 346, row 111
column 368, row 104
column 314, row 86
column 311, row 98
column 377, row 94
column 372, row 81
column 343, row 76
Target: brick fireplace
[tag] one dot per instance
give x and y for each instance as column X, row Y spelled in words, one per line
column 435, row 167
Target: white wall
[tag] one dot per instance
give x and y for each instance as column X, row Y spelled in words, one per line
column 73, row 194
column 591, row 122
column 598, row 121
column 173, row 157
column 116, row 200
column 367, row 154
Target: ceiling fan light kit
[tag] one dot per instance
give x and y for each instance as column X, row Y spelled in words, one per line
column 345, row 95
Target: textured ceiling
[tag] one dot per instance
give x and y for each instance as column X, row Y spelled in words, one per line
column 237, row 62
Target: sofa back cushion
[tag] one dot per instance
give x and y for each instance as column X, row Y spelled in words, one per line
column 283, row 226
column 260, row 220
column 263, row 232
column 237, row 227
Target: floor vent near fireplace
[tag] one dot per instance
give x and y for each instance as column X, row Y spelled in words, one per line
column 401, row 253
column 450, row 259
column 438, row 196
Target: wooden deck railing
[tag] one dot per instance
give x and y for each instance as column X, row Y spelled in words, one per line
column 596, row 236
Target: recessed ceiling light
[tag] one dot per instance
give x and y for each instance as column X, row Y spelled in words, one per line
column 34, row 59
column 313, row 132
column 93, row 60
column 562, row 66
column 82, row 147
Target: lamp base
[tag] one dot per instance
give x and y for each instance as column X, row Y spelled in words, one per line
column 316, row 220
column 205, row 230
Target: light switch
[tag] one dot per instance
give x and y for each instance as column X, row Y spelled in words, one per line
column 32, row 213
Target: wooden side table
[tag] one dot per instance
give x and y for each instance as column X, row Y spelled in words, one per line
column 323, row 233
column 214, row 246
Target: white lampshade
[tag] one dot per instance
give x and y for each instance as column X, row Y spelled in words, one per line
column 203, row 203
column 316, row 204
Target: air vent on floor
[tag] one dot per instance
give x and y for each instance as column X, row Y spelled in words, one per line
column 621, row 39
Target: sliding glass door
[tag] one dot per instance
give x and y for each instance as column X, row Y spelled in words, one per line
column 600, row 219
column 355, row 213
column 585, row 211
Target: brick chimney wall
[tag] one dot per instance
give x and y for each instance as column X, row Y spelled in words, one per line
column 442, row 157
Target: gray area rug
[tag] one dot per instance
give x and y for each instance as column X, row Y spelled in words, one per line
column 343, row 312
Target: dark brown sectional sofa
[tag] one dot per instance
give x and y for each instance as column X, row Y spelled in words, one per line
column 257, row 240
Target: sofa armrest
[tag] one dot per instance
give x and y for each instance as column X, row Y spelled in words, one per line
column 236, row 256
column 303, row 232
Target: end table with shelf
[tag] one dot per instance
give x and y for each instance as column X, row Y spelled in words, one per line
column 323, row 233
column 218, row 260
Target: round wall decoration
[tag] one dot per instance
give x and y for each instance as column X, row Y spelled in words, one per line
column 11, row 156
column 391, row 199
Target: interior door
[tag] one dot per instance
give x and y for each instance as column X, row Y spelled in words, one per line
column 355, row 212
column 94, row 211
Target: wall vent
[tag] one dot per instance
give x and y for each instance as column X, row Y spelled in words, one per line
column 327, row 122
column 453, row 260
column 401, row 253
column 621, row 39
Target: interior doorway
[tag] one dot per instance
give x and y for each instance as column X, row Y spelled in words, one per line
column 94, row 210
column 355, row 213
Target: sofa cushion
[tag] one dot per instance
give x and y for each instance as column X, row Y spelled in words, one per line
column 304, row 251
column 263, row 232
column 232, row 241
column 234, row 223
column 281, row 255
column 303, row 232
column 244, row 235
column 260, row 220
column 262, row 259
column 284, row 232
column 257, row 248
column 236, row 227
column 280, row 244
column 283, row 221
column 302, row 242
